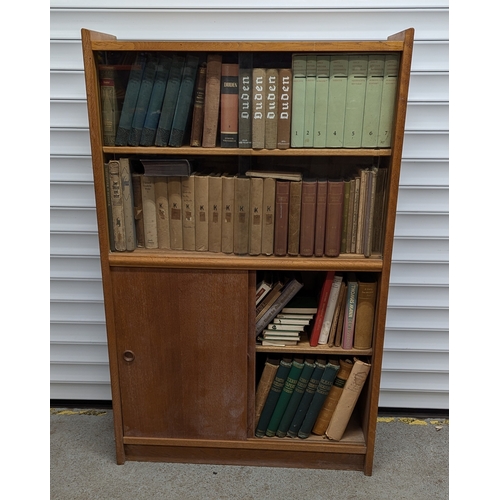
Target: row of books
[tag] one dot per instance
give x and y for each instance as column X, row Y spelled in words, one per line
column 342, row 316
column 300, row 396
column 321, row 101
column 256, row 214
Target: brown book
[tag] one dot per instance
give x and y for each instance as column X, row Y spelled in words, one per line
column 354, row 214
column 149, row 211
column 265, row 383
column 345, row 215
column 308, row 217
column 339, row 307
column 227, row 230
column 369, row 216
column 139, row 221
column 337, row 341
column 255, row 222
column 294, row 217
column 319, row 233
column 363, row 190
column 198, row 106
column 347, row 400
column 201, row 211
column 281, row 217
column 284, row 107
column 188, row 211
column 268, row 213
column 379, row 210
column 365, row 314
column 334, row 212
column 333, row 397
column 215, row 212
column 162, row 218
column 175, row 212
column 269, row 300
column 229, row 101
column 271, row 109
column 258, row 108
column 241, row 221
column 212, row 100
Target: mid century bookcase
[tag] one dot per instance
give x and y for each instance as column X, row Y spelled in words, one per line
column 181, row 325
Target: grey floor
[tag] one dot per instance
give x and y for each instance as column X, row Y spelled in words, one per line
column 411, row 462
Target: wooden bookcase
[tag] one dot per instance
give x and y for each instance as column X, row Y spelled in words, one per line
column 180, row 325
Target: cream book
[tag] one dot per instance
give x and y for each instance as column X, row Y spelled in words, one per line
column 175, row 212
column 149, row 211
column 128, row 204
column 188, row 219
column 215, row 212
column 162, row 218
column 268, row 209
column 117, row 211
column 242, row 208
column 227, row 229
column 201, row 212
column 255, row 222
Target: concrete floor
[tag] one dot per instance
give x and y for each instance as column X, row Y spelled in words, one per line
column 411, row 462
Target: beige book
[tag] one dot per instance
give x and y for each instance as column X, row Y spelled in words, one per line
column 117, row 212
column 264, row 385
column 268, row 208
column 188, row 219
column 347, row 400
column 149, row 211
column 175, row 212
column 241, row 221
column 255, row 222
column 201, row 212
column 271, row 107
column 162, row 218
column 258, row 108
column 214, row 212
column 227, row 230
column 128, row 204
column 294, row 217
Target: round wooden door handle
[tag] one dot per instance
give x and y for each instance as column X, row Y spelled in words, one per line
column 128, row 356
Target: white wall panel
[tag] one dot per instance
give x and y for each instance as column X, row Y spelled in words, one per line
column 72, row 194
column 68, row 310
column 74, row 332
column 67, row 84
column 422, row 225
column 71, row 168
column 427, row 116
column 429, row 86
column 85, row 290
column 419, row 274
column 417, row 340
column 69, row 113
column 421, row 250
column 424, row 172
column 75, row 267
column 423, row 199
column 73, row 219
column 418, row 296
column 74, row 244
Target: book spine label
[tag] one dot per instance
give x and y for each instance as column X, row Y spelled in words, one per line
column 284, row 108
column 229, row 100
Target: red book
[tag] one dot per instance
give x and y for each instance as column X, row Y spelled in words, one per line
column 323, row 301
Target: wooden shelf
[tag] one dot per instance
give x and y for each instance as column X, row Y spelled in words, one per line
column 304, row 347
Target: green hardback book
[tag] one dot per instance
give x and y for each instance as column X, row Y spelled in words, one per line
column 355, row 100
column 273, row 396
column 169, row 101
column 321, row 100
column 141, row 107
column 373, row 97
column 336, row 101
column 130, row 100
column 156, row 101
column 298, row 100
column 286, row 394
column 307, row 397
column 389, row 89
column 309, row 101
column 318, row 399
column 298, row 392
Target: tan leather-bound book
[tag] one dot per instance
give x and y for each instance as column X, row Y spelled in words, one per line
column 188, row 218
column 281, row 217
column 255, row 222
column 284, row 108
column 258, row 108
column 334, row 213
column 198, row 106
column 308, row 217
column 294, row 217
column 162, row 218
column 128, row 204
column 212, row 100
column 271, row 108
column 268, row 215
column 347, row 400
column 365, row 314
column 242, row 208
column 117, row 210
column 214, row 212
column 265, row 383
column 339, row 328
column 319, row 233
column 201, row 211
column 149, row 211
column 332, row 399
column 227, row 230
column 175, row 212
column 229, row 102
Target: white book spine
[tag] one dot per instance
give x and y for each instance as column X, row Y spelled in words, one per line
column 330, row 309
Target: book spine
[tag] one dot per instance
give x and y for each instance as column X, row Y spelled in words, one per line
column 255, row 223
column 271, row 109
column 298, row 100
column 215, row 213
column 128, row 204
column 388, row 101
column 228, row 205
column 162, row 218
column 345, row 217
column 268, row 212
column 365, row 314
column 245, row 101
column 294, row 217
column 308, row 217
column 350, row 315
column 109, row 104
column 373, row 98
column 321, row 100
column 229, row 101
column 241, row 222
column 281, row 217
column 323, row 302
column 264, row 385
column 175, row 212
column 334, row 215
column 284, row 108
column 212, row 100
column 337, row 88
column 319, row 233
column 149, row 211
column 117, row 210
column 258, row 108
column 138, row 215
column 370, row 216
column 329, row 311
column 198, row 106
column 188, row 211
column 201, row 212
column 310, row 98
column 363, row 190
column 109, row 208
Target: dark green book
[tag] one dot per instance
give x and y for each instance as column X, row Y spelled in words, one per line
column 141, row 108
column 156, row 101
column 169, row 101
column 309, row 393
column 273, row 396
column 298, row 392
column 324, row 386
column 130, row 100
column 185, row 101
column 286, row 394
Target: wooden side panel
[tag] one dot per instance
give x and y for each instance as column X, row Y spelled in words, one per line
column 182, row 339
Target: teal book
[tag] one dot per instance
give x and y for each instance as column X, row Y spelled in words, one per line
column 273, row 396
column 169, row 101
column 130, row 100
column 184, row 105
column 156, row 101
column 337, row 88
column 286, row 394
column 389, row 89
column 307, row 397
column 298, row 100
column 141, row 107
column 298, row 392
column 373, row 98
column 309, row 100
column 324, row 386
column 321, row 100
